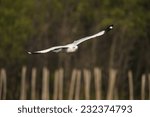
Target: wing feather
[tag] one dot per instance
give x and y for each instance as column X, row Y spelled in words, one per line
column 110, row 27
column 48, row 50
column 89, row 37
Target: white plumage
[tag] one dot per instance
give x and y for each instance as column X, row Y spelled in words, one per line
column 72, row 47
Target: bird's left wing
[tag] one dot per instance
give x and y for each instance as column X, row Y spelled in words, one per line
column 55, row 48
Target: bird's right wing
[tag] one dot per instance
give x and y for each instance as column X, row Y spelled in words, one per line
column 89, row 37
column 93, row 36
column 55, row 48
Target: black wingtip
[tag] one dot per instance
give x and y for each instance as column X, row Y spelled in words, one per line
column 110, row 27
column 29, row 52
column 33, row 53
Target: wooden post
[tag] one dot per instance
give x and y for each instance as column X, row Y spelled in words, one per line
column 78, row 80
column 111, row 84
column 33, row 84
column 3, row 84
column 0, row 86
column 98, row 82
column 45, row 84
column 130, row 79
column 23, row 84
column 61, row 75
column 87, row 79
column 116, row 97
column 149, row 84
column 72, row 84
column 56, row 85
column 143, row 87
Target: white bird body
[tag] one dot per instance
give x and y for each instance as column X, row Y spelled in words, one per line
column 72, row 47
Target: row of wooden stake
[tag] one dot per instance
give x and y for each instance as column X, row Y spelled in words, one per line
column 74, row 85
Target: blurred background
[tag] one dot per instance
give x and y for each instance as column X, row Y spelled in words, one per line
column 114, row 66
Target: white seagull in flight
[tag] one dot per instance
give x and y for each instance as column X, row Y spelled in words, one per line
column 72, row 47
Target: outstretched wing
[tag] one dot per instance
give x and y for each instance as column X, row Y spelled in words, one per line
column 55, row 49
column 93, row 36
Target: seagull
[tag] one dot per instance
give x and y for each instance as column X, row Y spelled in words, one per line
column 72, row 47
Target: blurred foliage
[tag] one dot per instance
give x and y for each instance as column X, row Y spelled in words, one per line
column 15, row 29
